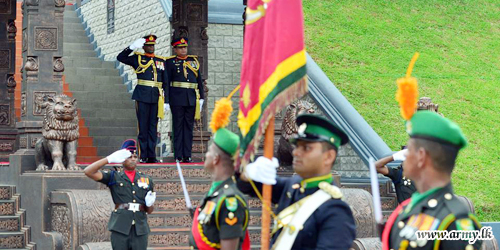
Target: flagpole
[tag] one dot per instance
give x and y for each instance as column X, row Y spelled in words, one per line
column 267, row 189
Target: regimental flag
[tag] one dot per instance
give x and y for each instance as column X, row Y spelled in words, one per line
column 273, row 69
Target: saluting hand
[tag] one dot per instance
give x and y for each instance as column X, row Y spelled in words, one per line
column 137, row 43
column 119, row 156
column 150, row 198
column 401, row 155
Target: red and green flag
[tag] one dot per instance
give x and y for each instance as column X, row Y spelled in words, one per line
column 273, row 71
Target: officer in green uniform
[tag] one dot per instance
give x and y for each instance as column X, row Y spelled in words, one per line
column 221, row 221
column 310, row 212
column 186, row 97
column 133, row 195
column 432, row 150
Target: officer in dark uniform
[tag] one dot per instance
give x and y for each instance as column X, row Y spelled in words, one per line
column 186, row 97
column 150, row 93
column 133, row 195
column 329, row 224
column 432, row 150
column 404, row 186
column 221, row 220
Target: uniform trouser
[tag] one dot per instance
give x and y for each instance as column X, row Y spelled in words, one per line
column 147, row 117
column 183, row 119
column 132, row 241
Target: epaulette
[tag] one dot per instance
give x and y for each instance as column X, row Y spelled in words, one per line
column 331, row 190
column 194, row 56
column 169, row 57
column 138, row 53
column 456, row 207
column 228, row 192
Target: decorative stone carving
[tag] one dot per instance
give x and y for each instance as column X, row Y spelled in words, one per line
column 203, row 34
column 34, row 139
column 45, row 38
column 195, row 12
column 7, row 209
column 31, row 64
column 5, row 59
column 39, row 101
column 5, row 6
column 11, row 83
column 4, row 193
column 176, row 204
column 425, row 103
column 361, row 205
column 11, row 30
column 23, row 104
column 171, row 239
column 179, row 221
column 60, row 135
column 171, row 173
column 183, row 32
column 31, row 2
column 23, row 142
column 6, row 147
column 10, row 242
column 60, row 3
column 61, row 222
column 9, row 225
column 58, row 65
column 176, row 188
column 25, row 40
column 4, row 114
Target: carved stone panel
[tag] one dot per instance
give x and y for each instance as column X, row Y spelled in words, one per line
column 11, row 30
column 11, row 83
column 171, row 239
column 23, row 142
column 39, row 98
column 6, row 147
column 5, row 6
column 58, row 64
column 45, row 38
column 59, row 3
column 61, row 222
column 10, row 242
column 23, row 104
column 195, row 12
column 5, row 59
column 4, row 193
column 9, row 225
column 7, row 209
column 34, row 139
column 4, row 114
column 25, row 40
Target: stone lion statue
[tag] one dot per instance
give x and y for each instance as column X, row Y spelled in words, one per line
column 60, row 133
column 289, row 128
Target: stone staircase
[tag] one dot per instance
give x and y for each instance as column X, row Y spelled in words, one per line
column 14, row 234
column 103, row 100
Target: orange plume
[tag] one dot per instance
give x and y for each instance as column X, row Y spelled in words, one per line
column 222, row 112
column 407, row 94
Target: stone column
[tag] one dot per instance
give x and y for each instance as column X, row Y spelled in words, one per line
column 7, row 83
column 42, row 65
column 190, row 19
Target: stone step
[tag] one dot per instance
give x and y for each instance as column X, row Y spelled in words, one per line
column 72, row 26
column 68, row 19
column 70, row 12
column 80, row 53
column 75, row 39
column 10, row 206
column 169, row 219
column 89, row 63
column 76, row 46
column 177, row 202
column 118, row 101
column 93, row 71
column 95, row 80
column 180, row 236
column 103, row 86
column 107, row 131
column 112, row 122
column 7, row 191
column 10, row 223
column 113, row 141
column 15, row 240
column 106, row 113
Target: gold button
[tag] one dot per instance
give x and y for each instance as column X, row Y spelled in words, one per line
column 133, row 201
column 133, row 192
column 226, row 186
column 116, row 210
column 448, row 196
column 432, row 202
column 469, row 247
column 133, row 184
column 413, row 244
column 401, row 224
column 121, row 184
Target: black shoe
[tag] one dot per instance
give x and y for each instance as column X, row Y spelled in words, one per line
column 187, row 160
column 178, row 159
column 152, row 160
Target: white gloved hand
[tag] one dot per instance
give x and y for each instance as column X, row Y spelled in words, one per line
column 401, row 155
column 166, row 107
column 262, row 170
column 201, row 103
column 150, row 198
column 137, row 43
column 119, row 156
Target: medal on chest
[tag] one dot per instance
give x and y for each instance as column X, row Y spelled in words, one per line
column 160, row 65
column 143, row 183
column 206, row 213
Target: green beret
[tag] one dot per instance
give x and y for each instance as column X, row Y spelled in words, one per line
column 227, row 141
column 315, row 128
column 431, row 126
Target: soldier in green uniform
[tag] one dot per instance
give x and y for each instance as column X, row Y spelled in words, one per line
column 221, row 221
column 133, row 195
column 186, row 97
column 432, row 150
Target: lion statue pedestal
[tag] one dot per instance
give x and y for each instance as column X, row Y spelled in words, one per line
column 57, row 147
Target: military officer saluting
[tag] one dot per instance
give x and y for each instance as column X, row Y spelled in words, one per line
column 310, row 212
column 432, row 150
column 221, row 220
column 150, row 93
column 133, row 195
column 186, row 97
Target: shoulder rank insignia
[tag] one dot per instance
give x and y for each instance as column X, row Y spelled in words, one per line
column 169, row 57
column 331, row 189
column 138, row 53
column 465, row 224
column 231, row 220
column 231, row 204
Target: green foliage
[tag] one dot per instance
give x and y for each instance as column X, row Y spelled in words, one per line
column 364, row 46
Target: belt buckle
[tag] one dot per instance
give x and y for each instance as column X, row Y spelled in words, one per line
column 134, row 207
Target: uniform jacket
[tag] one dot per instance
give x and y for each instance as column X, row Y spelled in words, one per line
column 404, row 187
column 175, row 69
column 331, row 226
column 441, row 210
column 125, row 191
column 226, row 217
column 137, row 61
